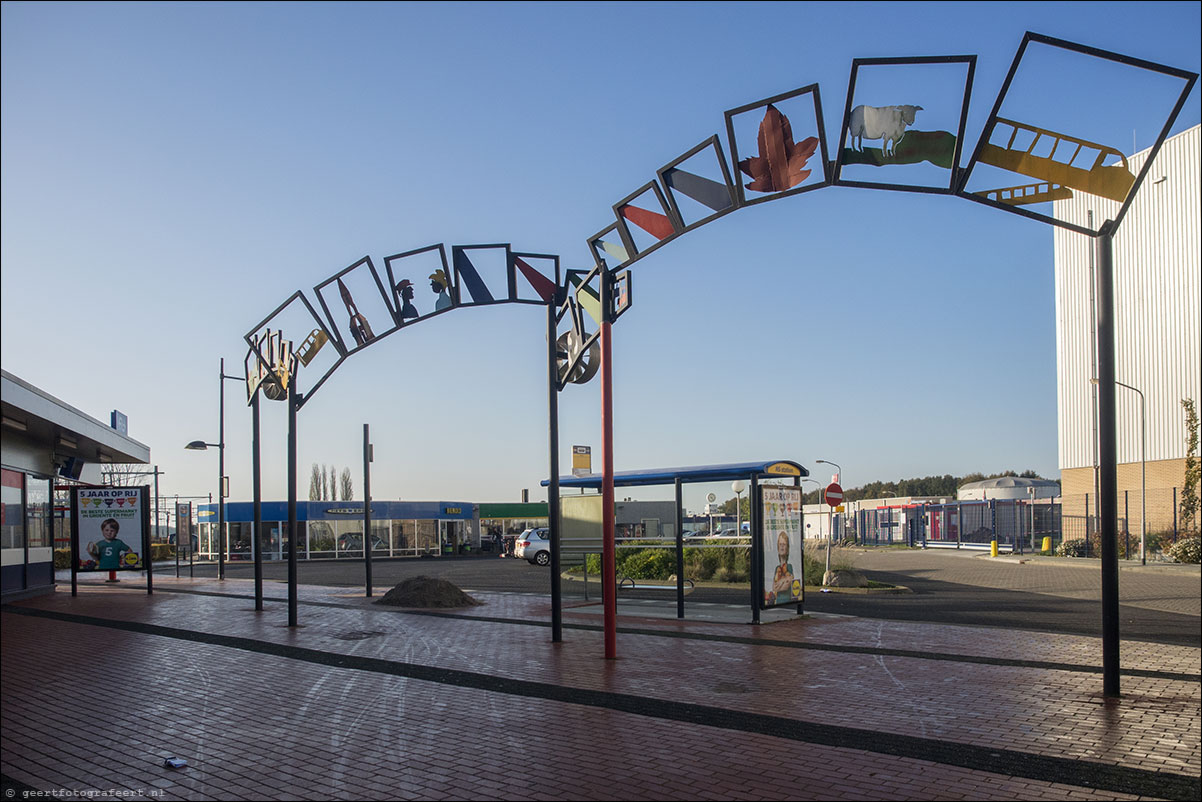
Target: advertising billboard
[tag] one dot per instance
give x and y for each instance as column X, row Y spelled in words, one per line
column 781, row 544
column 110, row 523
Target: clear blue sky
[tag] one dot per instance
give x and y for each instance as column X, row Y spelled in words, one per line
column 172, row 172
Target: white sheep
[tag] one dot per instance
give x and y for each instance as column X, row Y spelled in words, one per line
column 887, row 123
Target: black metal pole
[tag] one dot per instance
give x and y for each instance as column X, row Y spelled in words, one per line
column 257, row 482
column 221, row 475
column 147, row 548
column 757, row 573
column 553, row 487
column 293, row 398
column 1107, row 504
column 367, row 508
column 609, row 599
column 73, row 503
column 801, row 534
column 679, row 549
column 157, row 525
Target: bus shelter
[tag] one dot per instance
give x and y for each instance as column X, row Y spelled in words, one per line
column 777, row 543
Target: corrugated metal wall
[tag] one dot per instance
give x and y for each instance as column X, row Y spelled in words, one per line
column 1157, row 308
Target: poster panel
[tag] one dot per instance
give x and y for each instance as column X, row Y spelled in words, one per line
column 184, row 539
column 110, row 527
column 781, row 542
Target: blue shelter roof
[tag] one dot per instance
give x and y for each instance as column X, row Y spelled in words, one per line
column 696, row 473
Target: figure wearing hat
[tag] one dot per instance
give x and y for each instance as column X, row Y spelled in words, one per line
column 405, row 288
column 439, row 284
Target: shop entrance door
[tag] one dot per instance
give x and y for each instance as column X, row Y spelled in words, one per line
column 449, row 536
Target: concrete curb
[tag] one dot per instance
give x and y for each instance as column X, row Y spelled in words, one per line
column 1095, row 564
column 745, row 586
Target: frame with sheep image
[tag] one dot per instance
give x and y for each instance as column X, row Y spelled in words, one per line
column 918, row 150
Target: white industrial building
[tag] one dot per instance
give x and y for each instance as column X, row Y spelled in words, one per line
column 1158, row 331
column 1008, row 487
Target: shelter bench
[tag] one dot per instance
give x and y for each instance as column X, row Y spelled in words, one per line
column 626, row 583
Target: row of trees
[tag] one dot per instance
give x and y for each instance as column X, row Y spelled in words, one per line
column 945, row 485
column 326, row 485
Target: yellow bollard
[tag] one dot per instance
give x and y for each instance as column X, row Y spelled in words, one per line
column 1047, row 545
column 993, row 548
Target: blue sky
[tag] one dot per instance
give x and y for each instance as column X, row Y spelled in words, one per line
column 172, row 172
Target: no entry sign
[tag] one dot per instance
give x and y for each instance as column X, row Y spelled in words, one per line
column 834, row 494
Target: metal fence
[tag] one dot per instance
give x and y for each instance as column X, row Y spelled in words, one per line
column 1021, row 525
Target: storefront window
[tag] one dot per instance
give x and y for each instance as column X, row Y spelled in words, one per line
column 405, row 536
column 62, row 518
column 241, row 537
column 379, row 538
column 271, row 541
column 13, row 520
column 322, row 540
column 207, row 541
column 349, row 538
column 37, row 512
column 426, row 537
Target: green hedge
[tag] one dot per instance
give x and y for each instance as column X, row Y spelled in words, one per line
column 1187, row 550
column 158, row 551
column 1128, row 545
column 700, row 564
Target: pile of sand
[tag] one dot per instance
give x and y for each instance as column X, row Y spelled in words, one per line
column 424, row 591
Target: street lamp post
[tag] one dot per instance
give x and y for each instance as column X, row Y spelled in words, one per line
column 830, row 534
column 837, row 468
column 1143, row 471
column 738, row 486
column 222, row 490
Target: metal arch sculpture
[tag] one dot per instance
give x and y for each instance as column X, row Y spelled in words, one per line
column 702, row 179
column 466, row 283
column 658, row 212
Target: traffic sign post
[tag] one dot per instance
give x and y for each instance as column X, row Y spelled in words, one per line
column 834, row 498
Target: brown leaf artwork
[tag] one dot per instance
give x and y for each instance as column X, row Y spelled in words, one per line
column 781, row 161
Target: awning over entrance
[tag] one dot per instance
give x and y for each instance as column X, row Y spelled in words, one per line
column 697, row 473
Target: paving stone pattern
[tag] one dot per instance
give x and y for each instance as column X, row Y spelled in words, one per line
column 90, row 707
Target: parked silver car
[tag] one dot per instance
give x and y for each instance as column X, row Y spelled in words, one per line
column 534, row 546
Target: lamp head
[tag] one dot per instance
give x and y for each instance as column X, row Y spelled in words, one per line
column 197, row 445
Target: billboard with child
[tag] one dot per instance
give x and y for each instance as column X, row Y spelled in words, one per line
column 110, row 526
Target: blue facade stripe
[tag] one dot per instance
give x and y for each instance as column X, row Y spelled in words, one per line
column 243, row 511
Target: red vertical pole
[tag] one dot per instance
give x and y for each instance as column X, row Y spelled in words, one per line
column 608, row 561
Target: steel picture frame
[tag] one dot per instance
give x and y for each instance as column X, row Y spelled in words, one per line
column 730, row 114
column 624, row 224
column 1029, row 37
column 954, row 173
column 661, row 174
column 598, row 252
column 398, row 303
column 383, row 296
column 252, row 340
column 510, row 287
column 513, row 268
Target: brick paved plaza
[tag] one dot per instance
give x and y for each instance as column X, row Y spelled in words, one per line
column 366, row 702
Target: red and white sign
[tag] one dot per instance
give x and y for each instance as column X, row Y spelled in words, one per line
column 834, row 494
